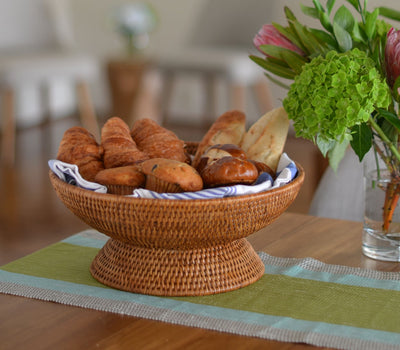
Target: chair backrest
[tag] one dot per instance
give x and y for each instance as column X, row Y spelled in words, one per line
column 230, row 23
column 32, row 25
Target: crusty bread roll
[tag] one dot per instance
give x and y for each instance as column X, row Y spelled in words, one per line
column 218, row 151
column 80, row 147
column 121, row 180
column 265, row 140
column 229, row 128
column 229, row 171
column 119, row 147
column 168, row 175
column 158, row 142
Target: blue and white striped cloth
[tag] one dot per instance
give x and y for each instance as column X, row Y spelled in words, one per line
column 70, row 174
column 286, row 172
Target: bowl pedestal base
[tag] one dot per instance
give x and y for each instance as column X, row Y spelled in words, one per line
column 189, row 272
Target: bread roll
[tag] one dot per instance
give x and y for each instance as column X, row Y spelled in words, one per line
column 265, row 140
column 80, row 147
column 158, row 142
column 229, row 171
column 216, row 152
column 119, row 147
column 229, row 128
column 121, row 180
column 167, row 175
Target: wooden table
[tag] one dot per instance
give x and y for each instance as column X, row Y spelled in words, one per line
column 44, row 325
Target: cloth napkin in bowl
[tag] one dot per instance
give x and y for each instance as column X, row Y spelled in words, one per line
column 286, row 172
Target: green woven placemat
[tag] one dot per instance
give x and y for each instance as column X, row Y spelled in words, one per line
column 300, row 300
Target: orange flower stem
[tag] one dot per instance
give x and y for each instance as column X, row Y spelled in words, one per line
column 391, row 198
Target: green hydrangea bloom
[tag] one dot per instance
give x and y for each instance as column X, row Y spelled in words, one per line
column 334, row 93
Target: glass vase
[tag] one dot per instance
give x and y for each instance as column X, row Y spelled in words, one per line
column 381, row 231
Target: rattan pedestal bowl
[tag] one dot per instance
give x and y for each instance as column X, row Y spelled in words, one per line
column 177, row 247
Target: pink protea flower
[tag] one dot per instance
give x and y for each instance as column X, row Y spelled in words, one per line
column 269, row 35
column 392, row 56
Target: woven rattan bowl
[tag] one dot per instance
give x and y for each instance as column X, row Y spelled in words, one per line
column 177, row 247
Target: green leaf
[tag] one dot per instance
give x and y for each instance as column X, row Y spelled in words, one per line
column 325, row 21
column 371, row 23
column 329, row 5
column 280, row 52
column 277, row 82
column 354, row 3
column 283, row 72
column 389, row 13
column 309, row 41
column 362, row 139
column 337, row 153
column 324, row 145
column 390, row 117
column 343, row 37
column 293, row 61
column 325, row 38
column 310, row 11
column 359, row 34
column 289, row 14
column 318, row 6
column 290, row 34
column 395, row 89
column 344, row 18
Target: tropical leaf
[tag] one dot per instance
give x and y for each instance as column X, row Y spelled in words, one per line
column 361, row 140
column 337, row 153
column 354, row 3
column 370, row 23
column 309, row 41
column 310, row 11
column 325, row 38
column 329, row 5
column 324, row 145
column 278, row 70
column 318, row 6
column 396, row 87
column 290, row 34
column 293, row 61
column 390, row 117
column 389, row 13
column 344, row 18
column 343, row 37
column 279, row 52
column 277, row 82
column 325, row 21
column 289, row 14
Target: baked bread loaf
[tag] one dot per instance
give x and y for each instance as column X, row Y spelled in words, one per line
column 121, row 180
column 158, row 142
column 168, row 175
column 229, row 128
column 80, row 147
column 218, row 151
column 229, row 171
column 265, row 140
column 119, row 147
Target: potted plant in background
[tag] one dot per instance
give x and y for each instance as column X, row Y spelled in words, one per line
column 345, row 93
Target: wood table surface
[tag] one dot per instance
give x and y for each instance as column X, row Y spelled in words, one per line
column 32, row 324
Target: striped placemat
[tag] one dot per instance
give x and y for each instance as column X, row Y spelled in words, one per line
column 297, row 300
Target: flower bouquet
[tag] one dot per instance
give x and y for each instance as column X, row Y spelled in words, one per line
column 345, row 85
